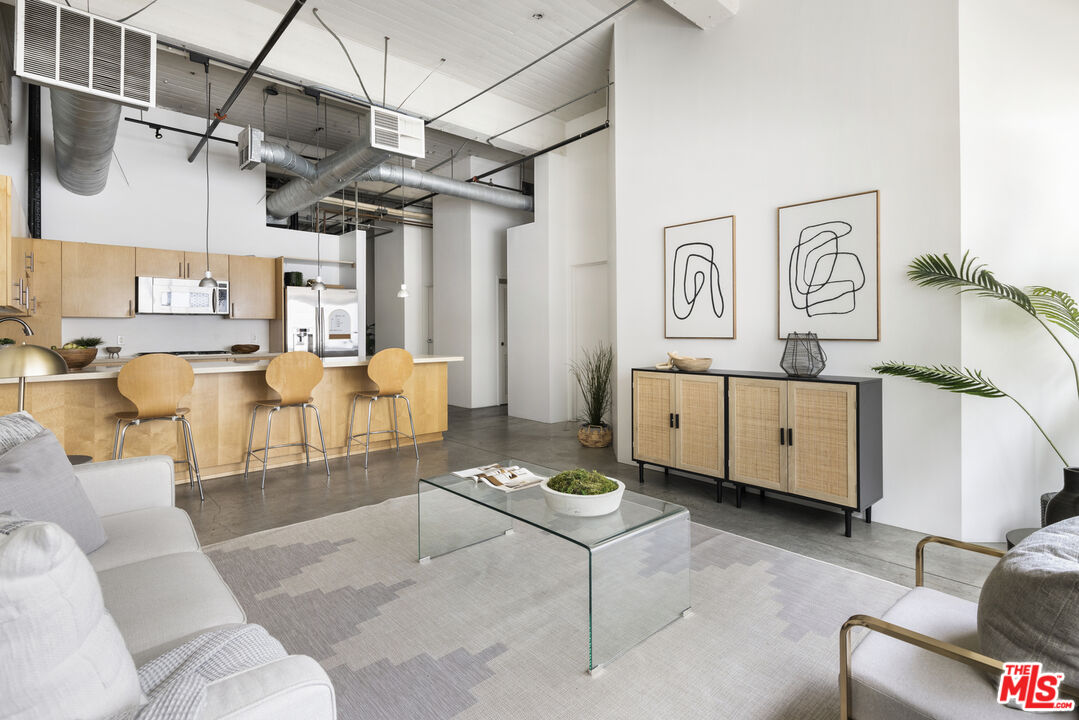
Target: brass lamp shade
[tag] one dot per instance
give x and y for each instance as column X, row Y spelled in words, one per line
column 23, row 361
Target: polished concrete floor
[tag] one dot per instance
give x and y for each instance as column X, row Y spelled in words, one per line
column 235, row 507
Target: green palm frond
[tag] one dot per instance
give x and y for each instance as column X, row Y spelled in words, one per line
column 1057, row 307
column 971, row 276
column 945, row 377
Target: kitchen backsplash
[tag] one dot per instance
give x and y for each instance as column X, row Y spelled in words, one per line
column 152, row 333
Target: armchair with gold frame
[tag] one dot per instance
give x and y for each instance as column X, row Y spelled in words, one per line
column 950, row 679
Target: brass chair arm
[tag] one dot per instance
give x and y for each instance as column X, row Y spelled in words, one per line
column 945, row 649
column 919, row 553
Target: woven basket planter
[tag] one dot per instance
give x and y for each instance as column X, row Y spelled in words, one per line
column 595, row 436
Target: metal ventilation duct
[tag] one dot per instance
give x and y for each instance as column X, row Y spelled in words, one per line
column 83, row 132
column 280, row 156
column 396, row 175
column 332, row 174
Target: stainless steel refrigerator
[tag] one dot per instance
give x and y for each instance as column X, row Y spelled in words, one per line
column 327, row 323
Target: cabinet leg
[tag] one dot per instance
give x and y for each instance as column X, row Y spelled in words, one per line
column 869, row 515
column 762, row 493
column 666, row 474
column 719, row 491
column 847, row 514
column 738, row 495
column 640, row 472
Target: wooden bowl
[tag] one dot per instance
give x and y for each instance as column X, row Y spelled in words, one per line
column 693, row 364
column 77, row 358
column 244, row 349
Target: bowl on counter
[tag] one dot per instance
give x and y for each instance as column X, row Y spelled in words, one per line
column 244, row 348
column 77, row 358
column 113, row 351
column 692, row 364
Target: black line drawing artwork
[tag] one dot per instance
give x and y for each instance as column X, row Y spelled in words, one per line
column 822, row 279
column 695, row 269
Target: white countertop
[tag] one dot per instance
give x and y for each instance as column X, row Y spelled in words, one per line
column 210, row 364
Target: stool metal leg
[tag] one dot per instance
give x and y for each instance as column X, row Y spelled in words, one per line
column 266, row 448
column 192, row 458
column 116, row 438
column 251, row 439
column 303, row 422
column 396, row 434
column 351, row 419
column 367, row 450
column 411, row 425
column 321, row 439
column 123, row 434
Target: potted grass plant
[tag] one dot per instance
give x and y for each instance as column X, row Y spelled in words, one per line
column 593, row 375
column 1043, row 305
column 583, row 493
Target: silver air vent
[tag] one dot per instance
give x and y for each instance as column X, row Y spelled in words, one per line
column 67, row 48
column 397, row 133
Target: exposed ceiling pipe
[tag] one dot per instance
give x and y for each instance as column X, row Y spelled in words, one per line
column 394, row 174
column 331, row 174
column 84, row 132
column 280, row 156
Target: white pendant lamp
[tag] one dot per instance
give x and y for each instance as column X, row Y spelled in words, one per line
column 208, row 280
column 403, row 292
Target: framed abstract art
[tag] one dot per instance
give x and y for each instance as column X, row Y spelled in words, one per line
column 698, row 279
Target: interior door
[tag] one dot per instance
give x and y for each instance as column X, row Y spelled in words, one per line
column 700, row 424
column 653, row 410
column 503, row 351
column 758, row 443
column 823, row 454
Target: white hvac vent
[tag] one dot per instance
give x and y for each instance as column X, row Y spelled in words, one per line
column 398, row 133
column 63, row 47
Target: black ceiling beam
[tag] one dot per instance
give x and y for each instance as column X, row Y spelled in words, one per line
column 248, row 74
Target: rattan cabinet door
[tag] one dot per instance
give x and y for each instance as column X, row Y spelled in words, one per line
column 823, row 454
column 653, row 411
column 758, row 415
column 699, row 424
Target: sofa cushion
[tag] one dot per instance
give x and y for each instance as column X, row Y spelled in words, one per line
column 61, row 653
column 1029, row 606
column 161, row 602
column 17, row 428
column 143, row 534
column 36, row 481
column 898, row 681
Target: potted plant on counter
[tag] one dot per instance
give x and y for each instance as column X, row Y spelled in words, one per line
column 593, row 375
column 80, row 352
column 583, row 493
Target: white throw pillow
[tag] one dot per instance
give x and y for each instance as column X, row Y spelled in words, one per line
column 61, row 654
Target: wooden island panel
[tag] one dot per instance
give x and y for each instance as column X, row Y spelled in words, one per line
column 82, row 415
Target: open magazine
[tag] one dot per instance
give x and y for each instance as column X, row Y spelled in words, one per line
column 506, row 479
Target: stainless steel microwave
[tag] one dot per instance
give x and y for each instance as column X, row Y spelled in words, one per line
column 177, row 296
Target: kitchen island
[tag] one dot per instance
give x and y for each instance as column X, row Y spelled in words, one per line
column 80, row 408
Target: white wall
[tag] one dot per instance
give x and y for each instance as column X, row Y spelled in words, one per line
column 403, row 256
column 161, row 204
column 1019, row 95
column 788, row 102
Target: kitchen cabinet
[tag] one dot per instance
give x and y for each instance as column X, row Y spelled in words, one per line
column 14, row 252
column 254, row 286
column 818, row 439
column 154, row 262
column 98, row 280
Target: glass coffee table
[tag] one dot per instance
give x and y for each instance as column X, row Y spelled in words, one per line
column 638, row 556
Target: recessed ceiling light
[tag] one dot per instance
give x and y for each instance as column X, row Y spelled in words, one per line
column 537, row 16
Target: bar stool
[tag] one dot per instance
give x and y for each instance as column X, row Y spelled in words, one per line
column 293, row 376
column 388, row 370
column 155, row 384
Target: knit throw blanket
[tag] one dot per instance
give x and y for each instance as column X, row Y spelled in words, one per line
column 175, row 683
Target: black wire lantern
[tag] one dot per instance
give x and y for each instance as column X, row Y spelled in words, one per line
column 803, row 356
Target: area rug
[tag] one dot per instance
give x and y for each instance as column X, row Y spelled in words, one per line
column 500, row 629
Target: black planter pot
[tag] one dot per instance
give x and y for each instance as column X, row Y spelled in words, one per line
column 1065, row 504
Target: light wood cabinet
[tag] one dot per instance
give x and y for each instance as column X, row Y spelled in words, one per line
column 153, row 262
column 43, row 315
column 818, row 439
column 253, row 287
column 195, row 265
column 98, row 280
column 14, row 252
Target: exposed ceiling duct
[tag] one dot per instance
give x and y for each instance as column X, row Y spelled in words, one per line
column 83, row 131
column 397, row 175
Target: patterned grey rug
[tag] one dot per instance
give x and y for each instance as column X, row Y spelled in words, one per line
column 499, row 630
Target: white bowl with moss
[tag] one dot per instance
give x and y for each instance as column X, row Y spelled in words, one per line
column 583, row 493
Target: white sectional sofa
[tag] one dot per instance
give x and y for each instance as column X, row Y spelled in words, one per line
column 162, row 591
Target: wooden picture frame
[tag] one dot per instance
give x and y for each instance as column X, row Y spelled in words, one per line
column 699, row 280
column 828, row 267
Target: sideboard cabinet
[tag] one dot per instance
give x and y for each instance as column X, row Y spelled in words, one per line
column 818, row 439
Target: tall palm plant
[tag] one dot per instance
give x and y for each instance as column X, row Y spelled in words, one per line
column 1044, row 305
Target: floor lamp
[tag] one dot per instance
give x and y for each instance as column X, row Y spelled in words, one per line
column 23, row 361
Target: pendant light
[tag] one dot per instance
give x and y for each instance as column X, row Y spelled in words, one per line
column 208, row 280
column 403, row 292
column 317, row 283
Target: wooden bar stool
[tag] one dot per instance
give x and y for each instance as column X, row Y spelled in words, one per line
column 155, row 384
column 293, row 376
column 388, row 369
